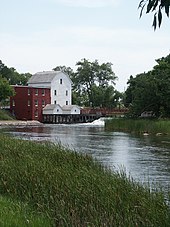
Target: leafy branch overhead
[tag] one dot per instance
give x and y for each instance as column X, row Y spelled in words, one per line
column 156, row 6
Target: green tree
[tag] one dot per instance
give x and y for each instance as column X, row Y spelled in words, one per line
column 156, row 6
column 92, row 81
column 150, row 91
column 65, row 69
column 5, row 71
column 5, row 89
column 13, row 76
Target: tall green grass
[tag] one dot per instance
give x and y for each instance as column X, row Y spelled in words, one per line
column 139, row 125
column 73, row 189
column 18, row 214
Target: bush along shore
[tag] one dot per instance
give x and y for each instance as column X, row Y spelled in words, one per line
column 71, row 189
column 139, row 125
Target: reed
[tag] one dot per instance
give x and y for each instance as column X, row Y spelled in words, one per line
column 73, row 189
column 139, row 125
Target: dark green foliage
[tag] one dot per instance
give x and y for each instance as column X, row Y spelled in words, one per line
column 156, row 6
column 95, row 83
column 150, row 91
column 73, row 190
column 5, row 89
column 13, row 76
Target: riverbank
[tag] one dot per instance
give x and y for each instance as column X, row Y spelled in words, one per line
column 19, row 123
column 73, row 189
column 141, row 126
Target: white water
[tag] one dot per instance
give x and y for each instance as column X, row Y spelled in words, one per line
column 98, row 122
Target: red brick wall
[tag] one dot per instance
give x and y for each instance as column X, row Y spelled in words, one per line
column 22, row 110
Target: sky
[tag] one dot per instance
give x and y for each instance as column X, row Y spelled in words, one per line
column 38, row 35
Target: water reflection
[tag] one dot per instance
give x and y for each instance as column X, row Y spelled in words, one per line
column 144, row 158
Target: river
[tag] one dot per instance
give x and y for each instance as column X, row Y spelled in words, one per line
column 146, row 158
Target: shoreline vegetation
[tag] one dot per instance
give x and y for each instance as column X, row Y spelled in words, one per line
column 64, row 188
column 141, row 126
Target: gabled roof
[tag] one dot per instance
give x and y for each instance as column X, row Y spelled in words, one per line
column 51, row 106
column 69, row 107
column 45, row 77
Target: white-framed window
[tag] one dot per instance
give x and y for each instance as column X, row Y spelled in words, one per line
column 66, row 92
column 55, row 102
column 36, row 113
column 29, row 92
column 61, row 81
column 36, row 91
column 36, row 102
column 43, row 102
column 13, row 102
column 66, row 102
column 55, row 92
column 43, row 92
column 29, row 103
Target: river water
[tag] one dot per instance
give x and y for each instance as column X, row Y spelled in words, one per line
column 146, row 158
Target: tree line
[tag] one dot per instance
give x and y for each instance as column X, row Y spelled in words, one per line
column 94, row 86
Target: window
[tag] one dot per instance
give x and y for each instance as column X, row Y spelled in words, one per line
column 36, row 102
column 43, row 102
column 43, row 92
column 75, row 111
column 66, row 92
column 55, row 92
column 36, row 113
column 13, row 102
column 57, row 110
column 29, row 91
column 66, row 102
column 36, row 91
column 61, row 81
column 28, row 102
column 55, row 102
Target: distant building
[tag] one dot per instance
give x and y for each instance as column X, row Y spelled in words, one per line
column 59, row 84
column 47, row 93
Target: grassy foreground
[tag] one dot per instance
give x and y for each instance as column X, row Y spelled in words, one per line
column 73, row 190
column 139, row 125
column 16, row 214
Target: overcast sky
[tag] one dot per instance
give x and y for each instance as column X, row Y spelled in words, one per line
column 37, row 35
